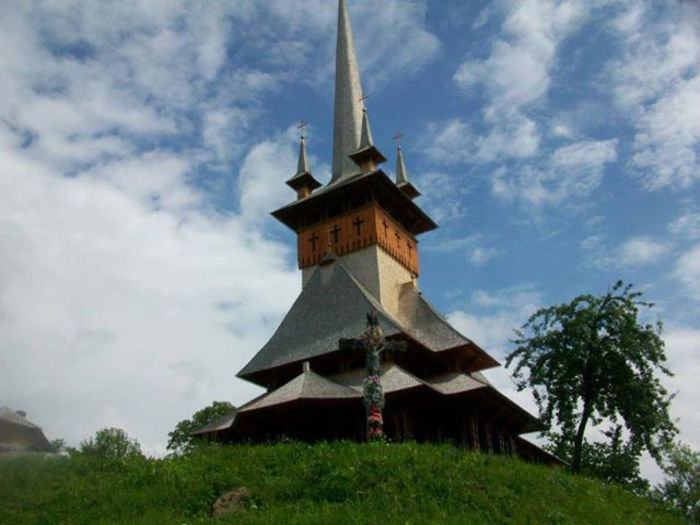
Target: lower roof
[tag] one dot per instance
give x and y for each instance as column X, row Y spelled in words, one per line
column 394, row 379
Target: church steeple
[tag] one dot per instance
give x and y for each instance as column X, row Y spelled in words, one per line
column 361, row 217
column 303, row 182
column 367, row 157
column 347, row 120
column 303, row 164
column 402, row 181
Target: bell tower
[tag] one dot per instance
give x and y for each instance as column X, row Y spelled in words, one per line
column 362, row 217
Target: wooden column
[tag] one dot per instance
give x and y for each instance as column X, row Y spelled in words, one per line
column 474, row 424
column 513, row 447
column 501, row 441
column 489, row 439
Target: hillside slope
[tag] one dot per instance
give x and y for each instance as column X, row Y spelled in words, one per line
column 325, row 483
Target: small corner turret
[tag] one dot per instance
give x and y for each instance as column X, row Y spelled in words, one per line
column 402, row 181
column 367, row 156
column 303, row 182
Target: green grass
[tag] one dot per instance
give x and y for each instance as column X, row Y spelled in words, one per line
column 325, row 483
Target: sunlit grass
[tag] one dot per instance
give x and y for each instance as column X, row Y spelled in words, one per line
column 324, row 483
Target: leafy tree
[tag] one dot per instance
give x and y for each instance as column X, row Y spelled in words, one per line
column 111, row 444
column 615, row 461
column 682, row 485
column 181, row 439
column 58, row 446
column 593, row 360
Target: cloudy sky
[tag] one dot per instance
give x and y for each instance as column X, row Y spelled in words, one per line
column 143, row 143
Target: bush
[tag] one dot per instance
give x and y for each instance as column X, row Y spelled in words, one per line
column 110, row 444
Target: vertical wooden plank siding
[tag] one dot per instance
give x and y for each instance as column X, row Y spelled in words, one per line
column 475, row 432
column 354, row 231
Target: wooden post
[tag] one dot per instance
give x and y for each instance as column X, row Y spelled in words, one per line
column 475, row 431
column 489, row 440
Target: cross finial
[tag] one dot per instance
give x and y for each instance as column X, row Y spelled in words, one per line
column 363, row 98
column 302, row 126
column 397, row 139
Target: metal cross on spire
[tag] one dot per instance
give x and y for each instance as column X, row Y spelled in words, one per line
column 302, row 126
column 397, row 138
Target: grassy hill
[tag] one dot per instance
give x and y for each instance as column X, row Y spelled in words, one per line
column 326, row 483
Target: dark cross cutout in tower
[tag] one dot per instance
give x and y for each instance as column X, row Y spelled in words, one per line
column 334, row 232
column 372, row 342
column 398, row 236
column 357, row 223
column 313, row 239
column 386, row 228
column 410, row 248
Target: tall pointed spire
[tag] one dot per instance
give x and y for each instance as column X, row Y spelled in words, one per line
column 347, row 121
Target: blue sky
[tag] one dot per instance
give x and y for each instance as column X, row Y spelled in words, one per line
column 142, row 145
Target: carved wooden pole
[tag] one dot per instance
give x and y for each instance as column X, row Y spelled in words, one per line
column 373, row 344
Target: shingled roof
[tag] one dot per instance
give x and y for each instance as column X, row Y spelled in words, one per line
column 220, row 423
column 455, row 383
column 393, row 379
column 16, row 433
column 306, row 386
column 13, row 417
column 333, row 305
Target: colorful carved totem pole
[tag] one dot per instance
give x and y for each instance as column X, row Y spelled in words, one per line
column 373, row 344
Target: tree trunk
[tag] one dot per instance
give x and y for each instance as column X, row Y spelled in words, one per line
column 578, row 440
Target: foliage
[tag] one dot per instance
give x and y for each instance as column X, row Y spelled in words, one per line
column 58, row 446
column 181, row 440
column 616, row 461
column 110, row 444
column 593, row 360
column 682, row 485
column 322, row 483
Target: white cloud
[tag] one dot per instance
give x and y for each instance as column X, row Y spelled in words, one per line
column 505, row 310
column 687, row 271
column 445, row 200
column 515, row 76
column 687, row 226
column 571, row 171
column 125, row 298
column 657, row 83
column 481, row 255
column 682, row 344
column 451, row 244
column 490, row 323
column 639, row 251
column 405, row 49
column 592, row 242
column 120, row 313
column 454, row 141
column 262, row 176
column 517, row 70
column 474, row 246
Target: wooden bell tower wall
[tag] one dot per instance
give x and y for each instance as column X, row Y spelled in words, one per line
column 355, row 230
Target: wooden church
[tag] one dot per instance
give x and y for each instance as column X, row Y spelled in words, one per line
column 358, row 253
